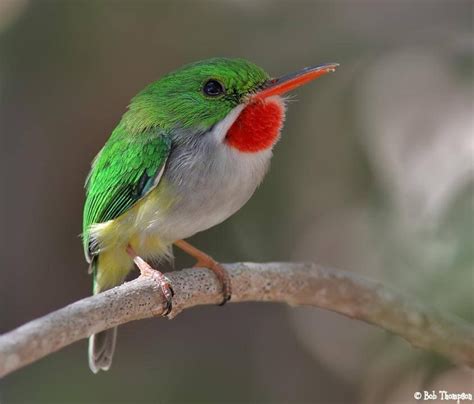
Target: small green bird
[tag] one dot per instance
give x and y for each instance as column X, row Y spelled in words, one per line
column 189, row 152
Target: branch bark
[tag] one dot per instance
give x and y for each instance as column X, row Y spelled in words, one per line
column 292, row 283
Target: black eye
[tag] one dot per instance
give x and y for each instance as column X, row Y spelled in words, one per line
column 213, row 88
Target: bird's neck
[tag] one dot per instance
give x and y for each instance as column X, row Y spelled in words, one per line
column 257, row 127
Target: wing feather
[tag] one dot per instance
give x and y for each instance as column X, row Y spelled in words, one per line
column 125, row 170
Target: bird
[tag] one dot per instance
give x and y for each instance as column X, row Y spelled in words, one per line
column 189, row 152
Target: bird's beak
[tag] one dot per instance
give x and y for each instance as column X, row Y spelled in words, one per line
column 291, row 81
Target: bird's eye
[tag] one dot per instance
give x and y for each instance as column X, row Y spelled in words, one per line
column 213, row 88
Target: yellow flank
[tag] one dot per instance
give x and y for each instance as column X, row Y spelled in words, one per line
column 114, row 236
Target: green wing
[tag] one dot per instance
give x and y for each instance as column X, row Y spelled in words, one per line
column 125, row 170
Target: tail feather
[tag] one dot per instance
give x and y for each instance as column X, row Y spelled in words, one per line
column 101, row 349
column 102, row 344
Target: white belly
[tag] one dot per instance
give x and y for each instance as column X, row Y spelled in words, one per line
column 208, row 180
column 208, row 187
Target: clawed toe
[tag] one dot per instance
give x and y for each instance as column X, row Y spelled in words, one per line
column 224, row 280
column 168, row 293
column 225, row 299
column 205, row 261
column 164, row 283
column 168, row 307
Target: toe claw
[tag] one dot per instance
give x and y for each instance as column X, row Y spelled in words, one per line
column 205, row 261
column 225, row 299
column 168, row 308
column 168, row 292
column 147, row 271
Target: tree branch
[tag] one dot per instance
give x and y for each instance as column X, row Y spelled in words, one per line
column 295, row 284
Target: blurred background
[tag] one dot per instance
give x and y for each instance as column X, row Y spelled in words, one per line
column 374, row 174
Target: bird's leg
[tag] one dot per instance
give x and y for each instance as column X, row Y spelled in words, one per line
column 205, row 261
column 147, row 270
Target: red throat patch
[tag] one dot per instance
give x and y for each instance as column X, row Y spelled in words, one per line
column 257, row 127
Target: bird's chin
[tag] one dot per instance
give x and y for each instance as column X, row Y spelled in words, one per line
column 257, row 126
column 220, row 129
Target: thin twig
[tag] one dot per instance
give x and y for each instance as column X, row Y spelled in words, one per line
column 295, row 284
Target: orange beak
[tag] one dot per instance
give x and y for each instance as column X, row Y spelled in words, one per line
column 291, row 81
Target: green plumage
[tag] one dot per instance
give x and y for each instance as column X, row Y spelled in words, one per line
column 131, row 162
column 125, row 169
column 190, row 112
column 177, row 100
column 122, row 173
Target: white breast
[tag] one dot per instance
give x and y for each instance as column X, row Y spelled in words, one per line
column 210, row 181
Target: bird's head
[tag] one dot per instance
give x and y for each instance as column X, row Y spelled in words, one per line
column 236, row 98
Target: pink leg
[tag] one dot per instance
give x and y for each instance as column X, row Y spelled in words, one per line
column 205, row 261
column 147, row 270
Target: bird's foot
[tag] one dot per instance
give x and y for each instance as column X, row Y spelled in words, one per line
column 162, row 280
column 221, row 274
column 206, row 261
